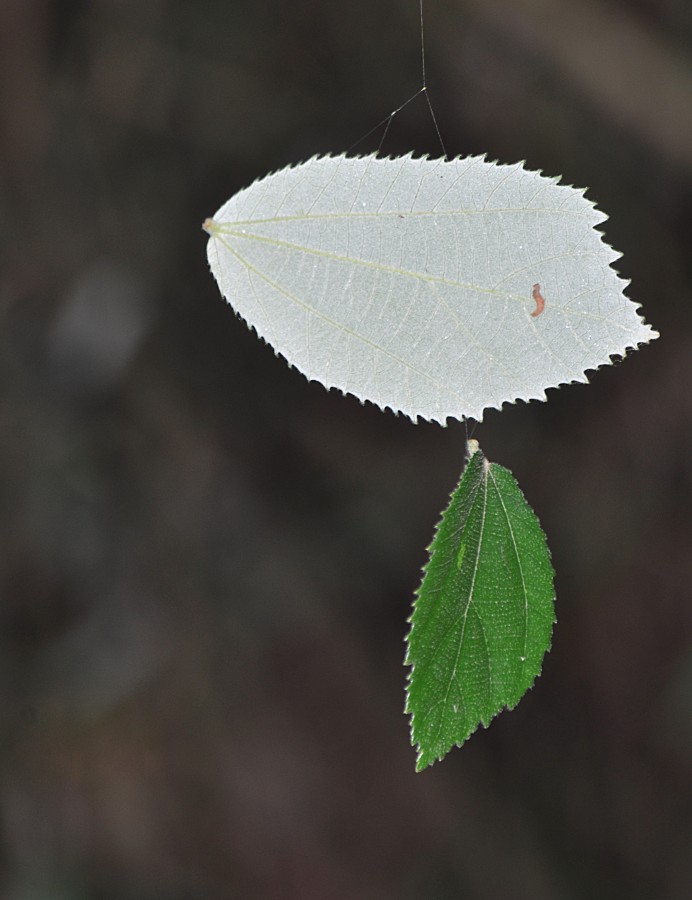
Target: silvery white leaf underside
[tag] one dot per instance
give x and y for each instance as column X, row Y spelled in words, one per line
column 410, row 282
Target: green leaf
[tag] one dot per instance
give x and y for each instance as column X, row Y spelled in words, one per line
column 483, row 614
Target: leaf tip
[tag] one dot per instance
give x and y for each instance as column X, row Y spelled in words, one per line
column 422, row 763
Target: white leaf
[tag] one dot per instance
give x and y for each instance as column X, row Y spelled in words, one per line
column 410, row 282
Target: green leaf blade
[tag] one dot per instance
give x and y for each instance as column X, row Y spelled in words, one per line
column 484, row 612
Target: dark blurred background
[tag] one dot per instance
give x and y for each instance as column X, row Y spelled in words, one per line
column 207, row 563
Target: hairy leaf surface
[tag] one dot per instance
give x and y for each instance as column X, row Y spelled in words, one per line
column 435, row 288
column 483, row 615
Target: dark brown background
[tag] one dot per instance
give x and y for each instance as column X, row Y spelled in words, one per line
column 207, row 563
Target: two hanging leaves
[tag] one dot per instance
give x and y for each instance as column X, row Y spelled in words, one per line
column 438, row 289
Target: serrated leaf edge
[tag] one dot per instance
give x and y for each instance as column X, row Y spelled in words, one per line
column 411, row 666
column 542, row 395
